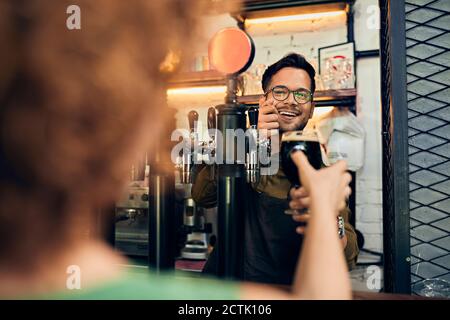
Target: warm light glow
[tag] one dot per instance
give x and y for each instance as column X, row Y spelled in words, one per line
column 170, row 62
column 298, row 17
column 197, row 90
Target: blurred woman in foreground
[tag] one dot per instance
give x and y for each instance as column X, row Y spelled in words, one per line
column 74, row 105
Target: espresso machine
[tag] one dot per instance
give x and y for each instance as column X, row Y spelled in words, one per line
column 144, row 218
column 131, row 214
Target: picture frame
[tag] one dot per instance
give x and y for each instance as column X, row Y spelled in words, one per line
column 341, row 59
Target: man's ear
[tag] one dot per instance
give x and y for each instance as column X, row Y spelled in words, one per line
column 262, row 99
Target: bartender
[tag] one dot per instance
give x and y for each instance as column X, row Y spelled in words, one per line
column 273, row 239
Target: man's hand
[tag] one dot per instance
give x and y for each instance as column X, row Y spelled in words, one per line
column 268, row 114
column 300, row 200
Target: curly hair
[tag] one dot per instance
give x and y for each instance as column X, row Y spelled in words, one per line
column 76, row 106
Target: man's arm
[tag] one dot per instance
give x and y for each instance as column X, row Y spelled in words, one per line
column 351, row 249
column 204, row 187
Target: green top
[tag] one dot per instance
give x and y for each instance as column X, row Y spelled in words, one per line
column 149, row 286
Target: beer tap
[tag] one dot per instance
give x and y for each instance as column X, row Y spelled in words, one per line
column 211, row 147
column 192, row 119
column 251, row 161
column 186, row 159
column 231, row 174
column 212, row 126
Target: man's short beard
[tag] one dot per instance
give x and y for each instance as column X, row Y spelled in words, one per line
column 301, row 126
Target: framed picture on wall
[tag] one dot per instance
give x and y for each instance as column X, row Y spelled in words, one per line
column 337, row 66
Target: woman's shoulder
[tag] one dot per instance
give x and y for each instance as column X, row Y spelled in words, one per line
column 132, row 285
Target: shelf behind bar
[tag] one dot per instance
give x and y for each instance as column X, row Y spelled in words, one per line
column 212, row 77
column 255, row 5
column 324, row 98
column 349, row 103
column 197, row 78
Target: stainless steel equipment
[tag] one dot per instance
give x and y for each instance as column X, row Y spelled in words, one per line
column 186, row 159
column 196, row 246
column 131, row 231
column 252, row 154
column 195, row 227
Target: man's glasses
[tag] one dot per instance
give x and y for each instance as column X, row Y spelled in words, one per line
column 281, row 93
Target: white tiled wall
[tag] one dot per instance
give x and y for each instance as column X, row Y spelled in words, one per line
column 271, row 45
column 369, row 178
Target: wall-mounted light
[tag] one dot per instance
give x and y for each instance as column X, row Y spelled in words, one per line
column 297, row 17
column 197, row 90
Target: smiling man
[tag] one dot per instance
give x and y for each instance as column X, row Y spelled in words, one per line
column 272, row 238
column 287, row 101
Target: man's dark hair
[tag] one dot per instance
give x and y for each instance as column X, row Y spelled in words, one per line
column 292, row 60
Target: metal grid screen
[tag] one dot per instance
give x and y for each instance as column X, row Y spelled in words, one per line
column 387, row 140
column 428, row 77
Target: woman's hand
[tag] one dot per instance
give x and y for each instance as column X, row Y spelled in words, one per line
column 330, row 185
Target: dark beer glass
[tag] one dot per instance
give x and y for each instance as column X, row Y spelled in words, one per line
column 292, row 141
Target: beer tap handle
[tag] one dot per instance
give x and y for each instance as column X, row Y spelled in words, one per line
column 192, row 118
column 252, row 147
column 212, row 124
column 253, row 116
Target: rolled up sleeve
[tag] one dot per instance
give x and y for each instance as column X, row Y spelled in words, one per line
column 351, row 250
column 204, row 188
